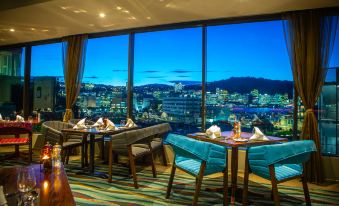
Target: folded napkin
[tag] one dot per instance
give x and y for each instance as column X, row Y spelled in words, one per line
column 110, row 125
column 1, row 117
column 213, row 132
column 80, row 124
column 130, row 123
column 19, row 118
column 3, row 201
column 99, row 123
column 258, row 135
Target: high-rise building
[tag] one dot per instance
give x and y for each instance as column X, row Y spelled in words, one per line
column 178, row 87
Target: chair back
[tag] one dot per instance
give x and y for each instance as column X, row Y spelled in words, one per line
column 190, row 148
column 57, row 125
column 295, row 152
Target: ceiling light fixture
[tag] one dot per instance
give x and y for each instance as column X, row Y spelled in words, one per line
column 102, row 15
column 12, row 30
column 119, row 8
column 148, row 18
column 33, row 29
column 126, row 11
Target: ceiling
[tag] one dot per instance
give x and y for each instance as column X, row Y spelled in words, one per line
column 32, row 20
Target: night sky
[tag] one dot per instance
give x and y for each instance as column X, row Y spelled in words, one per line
column 234, row 50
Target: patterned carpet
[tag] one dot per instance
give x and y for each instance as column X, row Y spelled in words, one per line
column 95, row 191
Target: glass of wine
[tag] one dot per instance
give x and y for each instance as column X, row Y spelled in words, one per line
column 26, row 183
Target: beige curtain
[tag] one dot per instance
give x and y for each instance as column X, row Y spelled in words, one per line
column 74, row 52
column 309, row 38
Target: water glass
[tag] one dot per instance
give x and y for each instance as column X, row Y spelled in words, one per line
column 26, row 179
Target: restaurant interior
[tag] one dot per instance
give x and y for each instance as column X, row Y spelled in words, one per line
column 169, row 102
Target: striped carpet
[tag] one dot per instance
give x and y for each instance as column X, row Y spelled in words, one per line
column 95, row 191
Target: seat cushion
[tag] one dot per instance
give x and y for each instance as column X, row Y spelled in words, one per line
column 155, row 144
column 138, row 151
column 287, row 171
column 193, row 166
column 9, row 141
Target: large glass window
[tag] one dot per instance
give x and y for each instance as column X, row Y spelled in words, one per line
column 103, row 91
column 167, row 78
column 249, row 78
column 329, row 106
column 11, row 82
column 47, row 81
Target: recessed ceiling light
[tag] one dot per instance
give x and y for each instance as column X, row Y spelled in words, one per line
column 12, row 30
column 33, row 29
column 126, row 11
column 132, row 17
column 90, row 24
column 45, row 30
column 148, row 17
column 102, row 15
column 80, row 11
column 119, row 8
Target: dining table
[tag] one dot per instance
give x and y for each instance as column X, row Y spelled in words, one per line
column 92, row 132
column 52, row 186
column 226, row 139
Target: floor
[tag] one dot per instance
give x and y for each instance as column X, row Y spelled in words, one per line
column 96, row 191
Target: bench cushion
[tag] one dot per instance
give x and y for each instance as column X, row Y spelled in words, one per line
column 9, row 141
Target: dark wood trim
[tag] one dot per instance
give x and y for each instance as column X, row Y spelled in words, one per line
column 234, row 173
column 203, row 81
column 198, row 183
column 170, row 182
column 274, row 186
column 27, row 74
column 130, row 76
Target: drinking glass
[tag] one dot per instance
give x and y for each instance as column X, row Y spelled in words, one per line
column 26, row 182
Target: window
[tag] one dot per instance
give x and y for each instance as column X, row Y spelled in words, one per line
column 167, row 78
column 329, row 106
column 47, row 81
column 249, row 78
column 11, row 82
column 103, row 91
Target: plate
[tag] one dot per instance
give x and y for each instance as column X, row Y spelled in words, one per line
column 241, row 140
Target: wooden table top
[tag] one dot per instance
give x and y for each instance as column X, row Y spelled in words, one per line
column 54, row 187
column 97, row 131
column 226, row 139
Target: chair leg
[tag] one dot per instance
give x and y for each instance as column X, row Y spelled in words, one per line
column 226, row 184
column 198, row 185
column 67, row 156
column 164, row 160
column 132, row 166
column 306, row 192
column 170, row 182
column 102, row 149
column 274, row 186
column 245, row 189
column 154, row 171
column 30, row 152
column 86, row 153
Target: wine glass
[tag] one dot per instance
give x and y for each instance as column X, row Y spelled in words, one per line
column 26, row 182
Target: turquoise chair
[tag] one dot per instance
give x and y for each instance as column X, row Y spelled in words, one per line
column 198, row 159
column 279, row 163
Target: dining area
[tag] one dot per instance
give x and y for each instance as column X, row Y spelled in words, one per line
column 214, row 154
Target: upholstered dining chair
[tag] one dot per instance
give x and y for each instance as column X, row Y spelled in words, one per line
column 125, row 144
column 279, row 163
column 52, row 133
column 198, row 159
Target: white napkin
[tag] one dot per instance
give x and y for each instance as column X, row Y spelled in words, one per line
column 19, row 118
column 80, row 124
column 213, row 132
column 258, row 135
column 110, row 125
column 99, row 123
column 3, row 200
column 130, row 123
column 1, row 117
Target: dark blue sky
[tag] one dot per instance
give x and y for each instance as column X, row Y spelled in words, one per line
column 248, row 49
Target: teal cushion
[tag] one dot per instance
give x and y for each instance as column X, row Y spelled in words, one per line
column 189, row 154
column 287, row 158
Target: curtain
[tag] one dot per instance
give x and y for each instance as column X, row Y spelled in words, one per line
column 309, row 38
column 74, row 52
